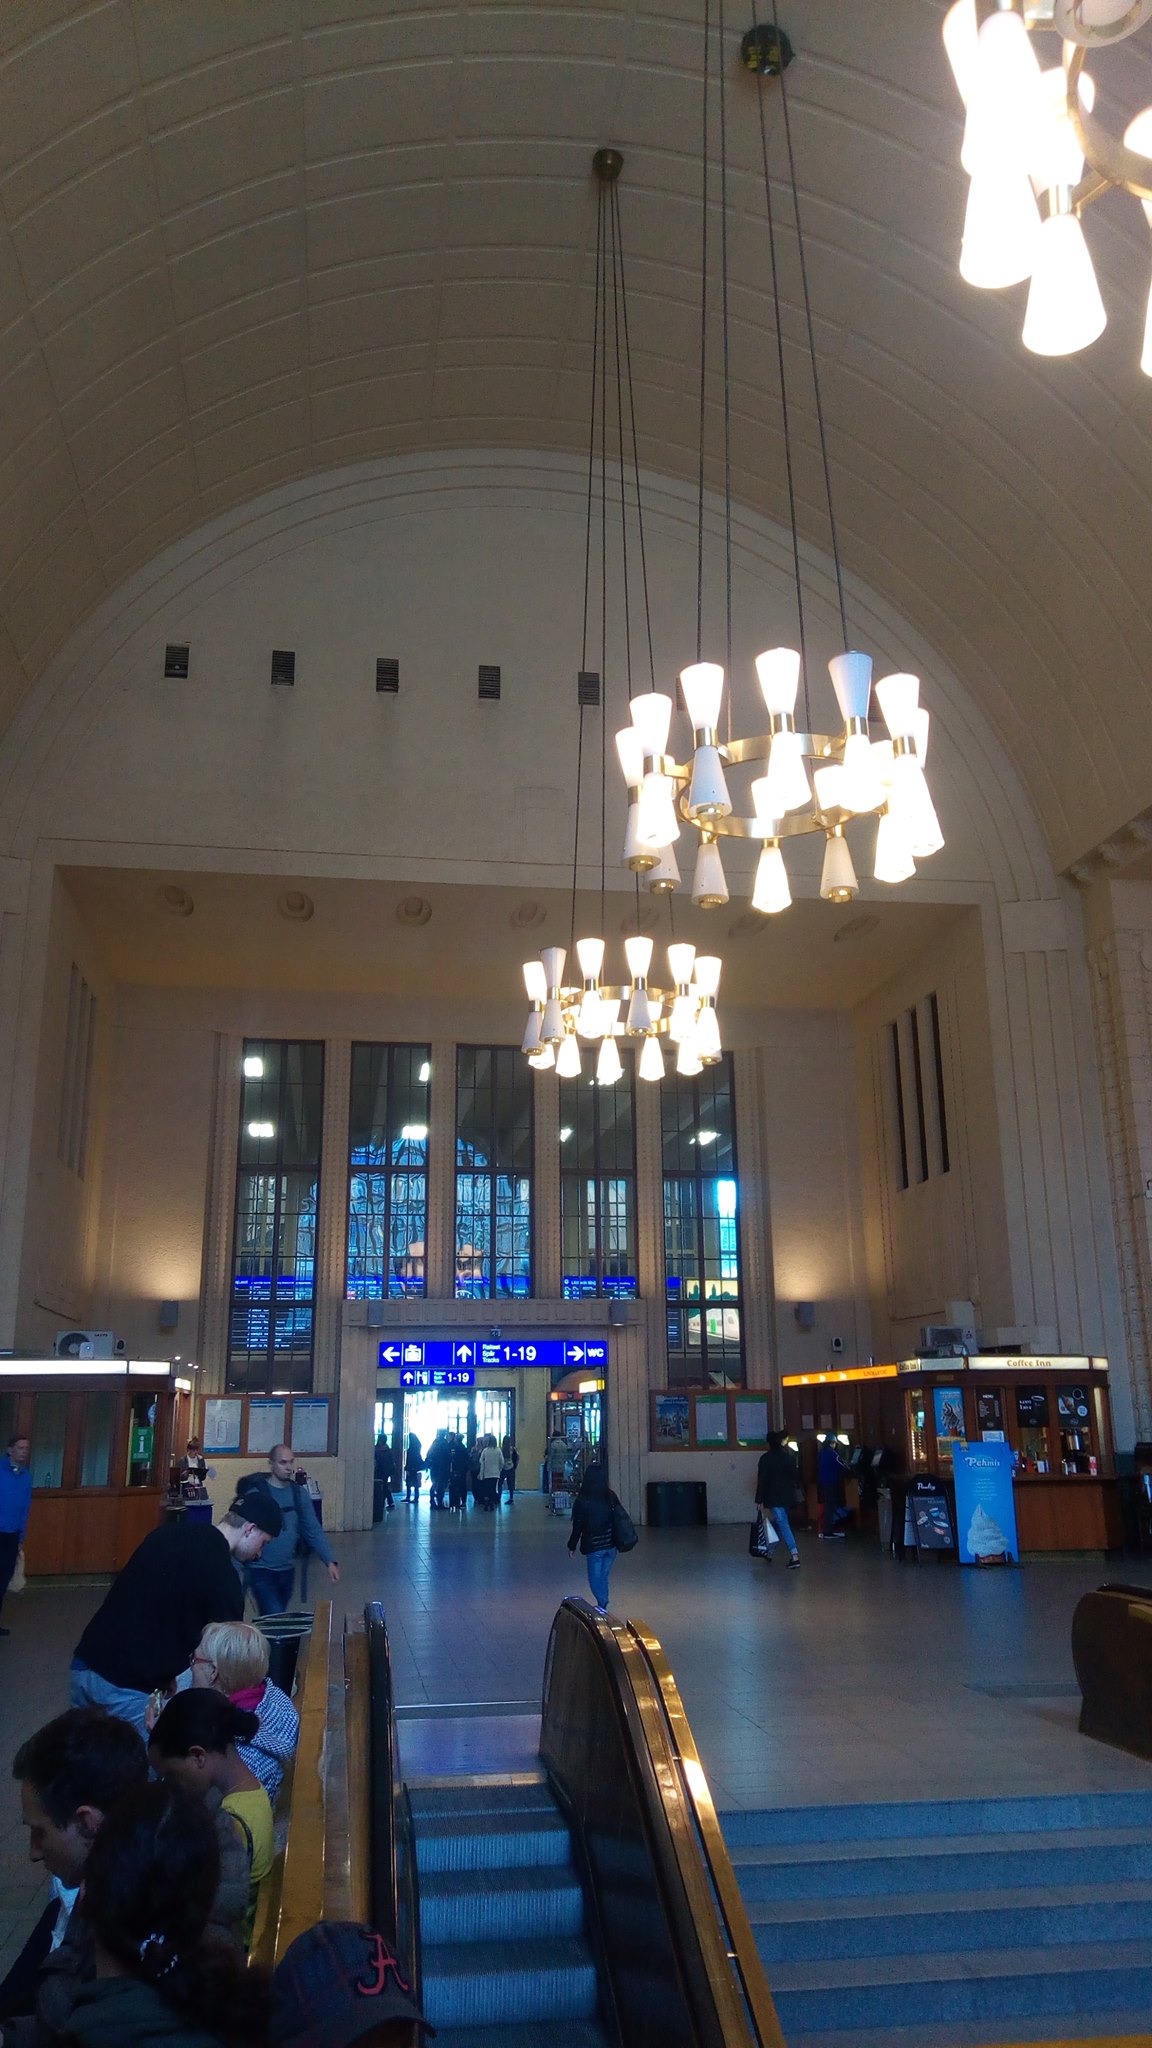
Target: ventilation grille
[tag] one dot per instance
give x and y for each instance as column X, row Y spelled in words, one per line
column 76, row 1091
column 488, row 682
column 283, row 665
column 388, row 677
column 176, row 662
column 588, row 687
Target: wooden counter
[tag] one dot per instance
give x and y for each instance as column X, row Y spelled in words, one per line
column 94, row 1530
column 1077, row 1513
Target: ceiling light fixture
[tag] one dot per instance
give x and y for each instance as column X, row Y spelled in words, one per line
column 572, row 1005
column 1037, row 156
column 856, row 774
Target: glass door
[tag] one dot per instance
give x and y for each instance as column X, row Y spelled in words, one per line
column 494, row 1412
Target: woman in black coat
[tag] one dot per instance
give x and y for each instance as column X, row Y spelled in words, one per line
column 593, row 1513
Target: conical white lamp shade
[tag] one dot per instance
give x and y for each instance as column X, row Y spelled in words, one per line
column 535, row 981
column 1001, row 231
column 656, row 823
column 652, row 716
column 552, row 1022
column 665, row 876
column 590, row 954
column 708, row 1046
column 638, row 953
column 681, row 960
column 688, row 1060
column 787, row 780
column 553, row 958
column 531, row 1039
column 630, row 750
column 543, row 1059
column 635, row 856
column 894, row 862
column 640, row 1017
column 771, row 892
column 838, row 878
column 1055, row 156
column 609, row 1066
column 859, row 789
column 708, row 791
column 778, row 670
column 1065, row 310
column 898, row 697
column 568, row 1059
column 709, row 888
column 851, row 675
column 709, row 968
column 1003, row 93
column 682, row 1020
column 651, row 1067
column 959, row 31
column 703, row 687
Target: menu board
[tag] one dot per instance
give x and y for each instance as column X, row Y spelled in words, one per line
column 309, row 1425
column 265, row 1426
column 222, row 1425
column 751, row 1422
column 930, row 1517
column 711, row 1419
column 1032, row 1407
column 989, row 1409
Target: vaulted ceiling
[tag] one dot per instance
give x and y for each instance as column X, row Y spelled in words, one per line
column 245, row 241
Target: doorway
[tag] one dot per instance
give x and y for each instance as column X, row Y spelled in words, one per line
column 489, row 1411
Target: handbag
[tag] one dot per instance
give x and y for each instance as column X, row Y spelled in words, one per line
column 624, row 1535
column 761, row 1536
column 18, row 1580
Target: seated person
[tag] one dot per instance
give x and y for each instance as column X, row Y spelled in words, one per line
column 232, row 1657
column 71, row 1774
column 340, row 1983
column 149, row 1884
column 194, row 1745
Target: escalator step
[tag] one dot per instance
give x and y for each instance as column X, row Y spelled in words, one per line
column 498, row 1796
column 500, row 1984
column 476, row 1842
column 537, row 2034
column 497, row 1905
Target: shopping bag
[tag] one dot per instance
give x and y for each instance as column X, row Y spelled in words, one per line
column 761, row 1537
column 18, row 1580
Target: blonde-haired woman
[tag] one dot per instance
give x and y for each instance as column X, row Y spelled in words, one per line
column 232, row 1657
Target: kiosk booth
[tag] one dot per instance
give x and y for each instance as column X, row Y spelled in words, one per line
column 1054, row 1413
column 103, row 1435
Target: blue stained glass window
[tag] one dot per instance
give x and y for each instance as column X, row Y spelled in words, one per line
column 272, row 1316
column 702, row 1230
column 493, row 1173
column 388, row 1172
column 597, row 1187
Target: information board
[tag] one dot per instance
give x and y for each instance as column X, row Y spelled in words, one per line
column 491, row 1354
column 929, row 1515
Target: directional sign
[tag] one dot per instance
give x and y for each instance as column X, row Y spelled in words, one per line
column 423, row 1354
column 437, row 1376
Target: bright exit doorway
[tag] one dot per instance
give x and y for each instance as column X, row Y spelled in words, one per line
column 490, row 1411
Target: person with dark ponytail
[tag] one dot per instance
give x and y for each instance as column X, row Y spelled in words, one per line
column 194, row 1745
column 149, row 1884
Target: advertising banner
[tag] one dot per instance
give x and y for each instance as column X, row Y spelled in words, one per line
column 985, row 1509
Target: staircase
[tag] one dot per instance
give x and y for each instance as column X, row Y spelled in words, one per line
column 958, row 1922
column 502, row 1926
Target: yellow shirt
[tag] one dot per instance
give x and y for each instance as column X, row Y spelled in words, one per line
column 253, row 1811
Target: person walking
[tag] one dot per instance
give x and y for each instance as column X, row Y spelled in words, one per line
column 150, row 1620
column 830, row 1470
column 488, row 1474
column 438, row 1461
column 557, row 1458
column 459, row 1473
column 385, row 1471
column 15, row 1501
column 594, row 1513
column 509, row 1459
column 413, row 1467
column 777, row 1478
column 271, row 1580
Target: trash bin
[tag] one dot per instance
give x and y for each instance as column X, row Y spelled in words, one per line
column 677, row 1503
column 884, row 1517
column 285, row 1633
column 377, row 1501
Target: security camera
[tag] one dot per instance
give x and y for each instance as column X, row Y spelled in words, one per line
column 837, row 1345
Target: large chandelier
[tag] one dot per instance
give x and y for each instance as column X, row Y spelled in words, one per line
column 1037, row 156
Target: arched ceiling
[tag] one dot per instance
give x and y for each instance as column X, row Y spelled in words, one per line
column 243, row 241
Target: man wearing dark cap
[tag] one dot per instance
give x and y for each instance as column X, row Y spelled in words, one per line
column 180, row 1578
column 342, row 1983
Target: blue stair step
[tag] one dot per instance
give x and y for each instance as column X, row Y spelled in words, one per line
column 1079, row 2027
column 798, row 1930
column 497, row 1905
column 849, row 1868
column 501, row 1984
column 495, row 1796
column 952, row 1818
column 995, row 1988
column 484, row 1842
column 541, row 2034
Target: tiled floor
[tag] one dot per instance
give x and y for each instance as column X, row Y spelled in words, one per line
column 853, row 1679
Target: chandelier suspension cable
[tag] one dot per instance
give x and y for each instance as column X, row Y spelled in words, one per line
column 635, row 446
column 812, row 357
column 703, row 330
column 609, row 258
column 727, row 361
column 785, row 408
column 587, row 559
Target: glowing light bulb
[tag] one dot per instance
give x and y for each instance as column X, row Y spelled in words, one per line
column 894, row 861
column 651, row 1066
column 709, row 888
column 568, row 1059
column 771, row 892
column 1003, row 90
column 1065, row 311
column 609, row 1066
column 1001, row 230
column 838, row 882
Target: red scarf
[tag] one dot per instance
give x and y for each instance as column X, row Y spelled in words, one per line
column 249, row 1699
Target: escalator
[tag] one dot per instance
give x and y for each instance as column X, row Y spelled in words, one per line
column 589, row 1903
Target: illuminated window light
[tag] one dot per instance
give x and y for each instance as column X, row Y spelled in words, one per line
column 259, row 1130
column 414, row 1132
column 565, row 1133
column 707, row 1137
column 426, row 1070
column 253, row 1066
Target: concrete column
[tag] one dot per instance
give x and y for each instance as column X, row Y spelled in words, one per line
column 1121, row 980
column 546, row 1188
column 219, row 1215
column 332, row 1222
column 754, row 1219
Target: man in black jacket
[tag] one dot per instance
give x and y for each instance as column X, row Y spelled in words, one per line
column 777, row 1480
column 178, row 1580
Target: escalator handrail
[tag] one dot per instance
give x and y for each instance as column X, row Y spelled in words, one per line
column 693, row 1873
column 392, row 1850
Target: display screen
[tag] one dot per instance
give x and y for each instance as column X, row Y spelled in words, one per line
column 1032, row 1406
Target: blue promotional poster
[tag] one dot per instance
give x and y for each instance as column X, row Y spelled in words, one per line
column 985, row 1509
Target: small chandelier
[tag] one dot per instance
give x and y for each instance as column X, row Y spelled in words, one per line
column 568, row 1011
column 809, row 782
column 1036, row 156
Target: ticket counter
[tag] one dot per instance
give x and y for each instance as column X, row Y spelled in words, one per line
column 103, row 1437
column 1054, row 1412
